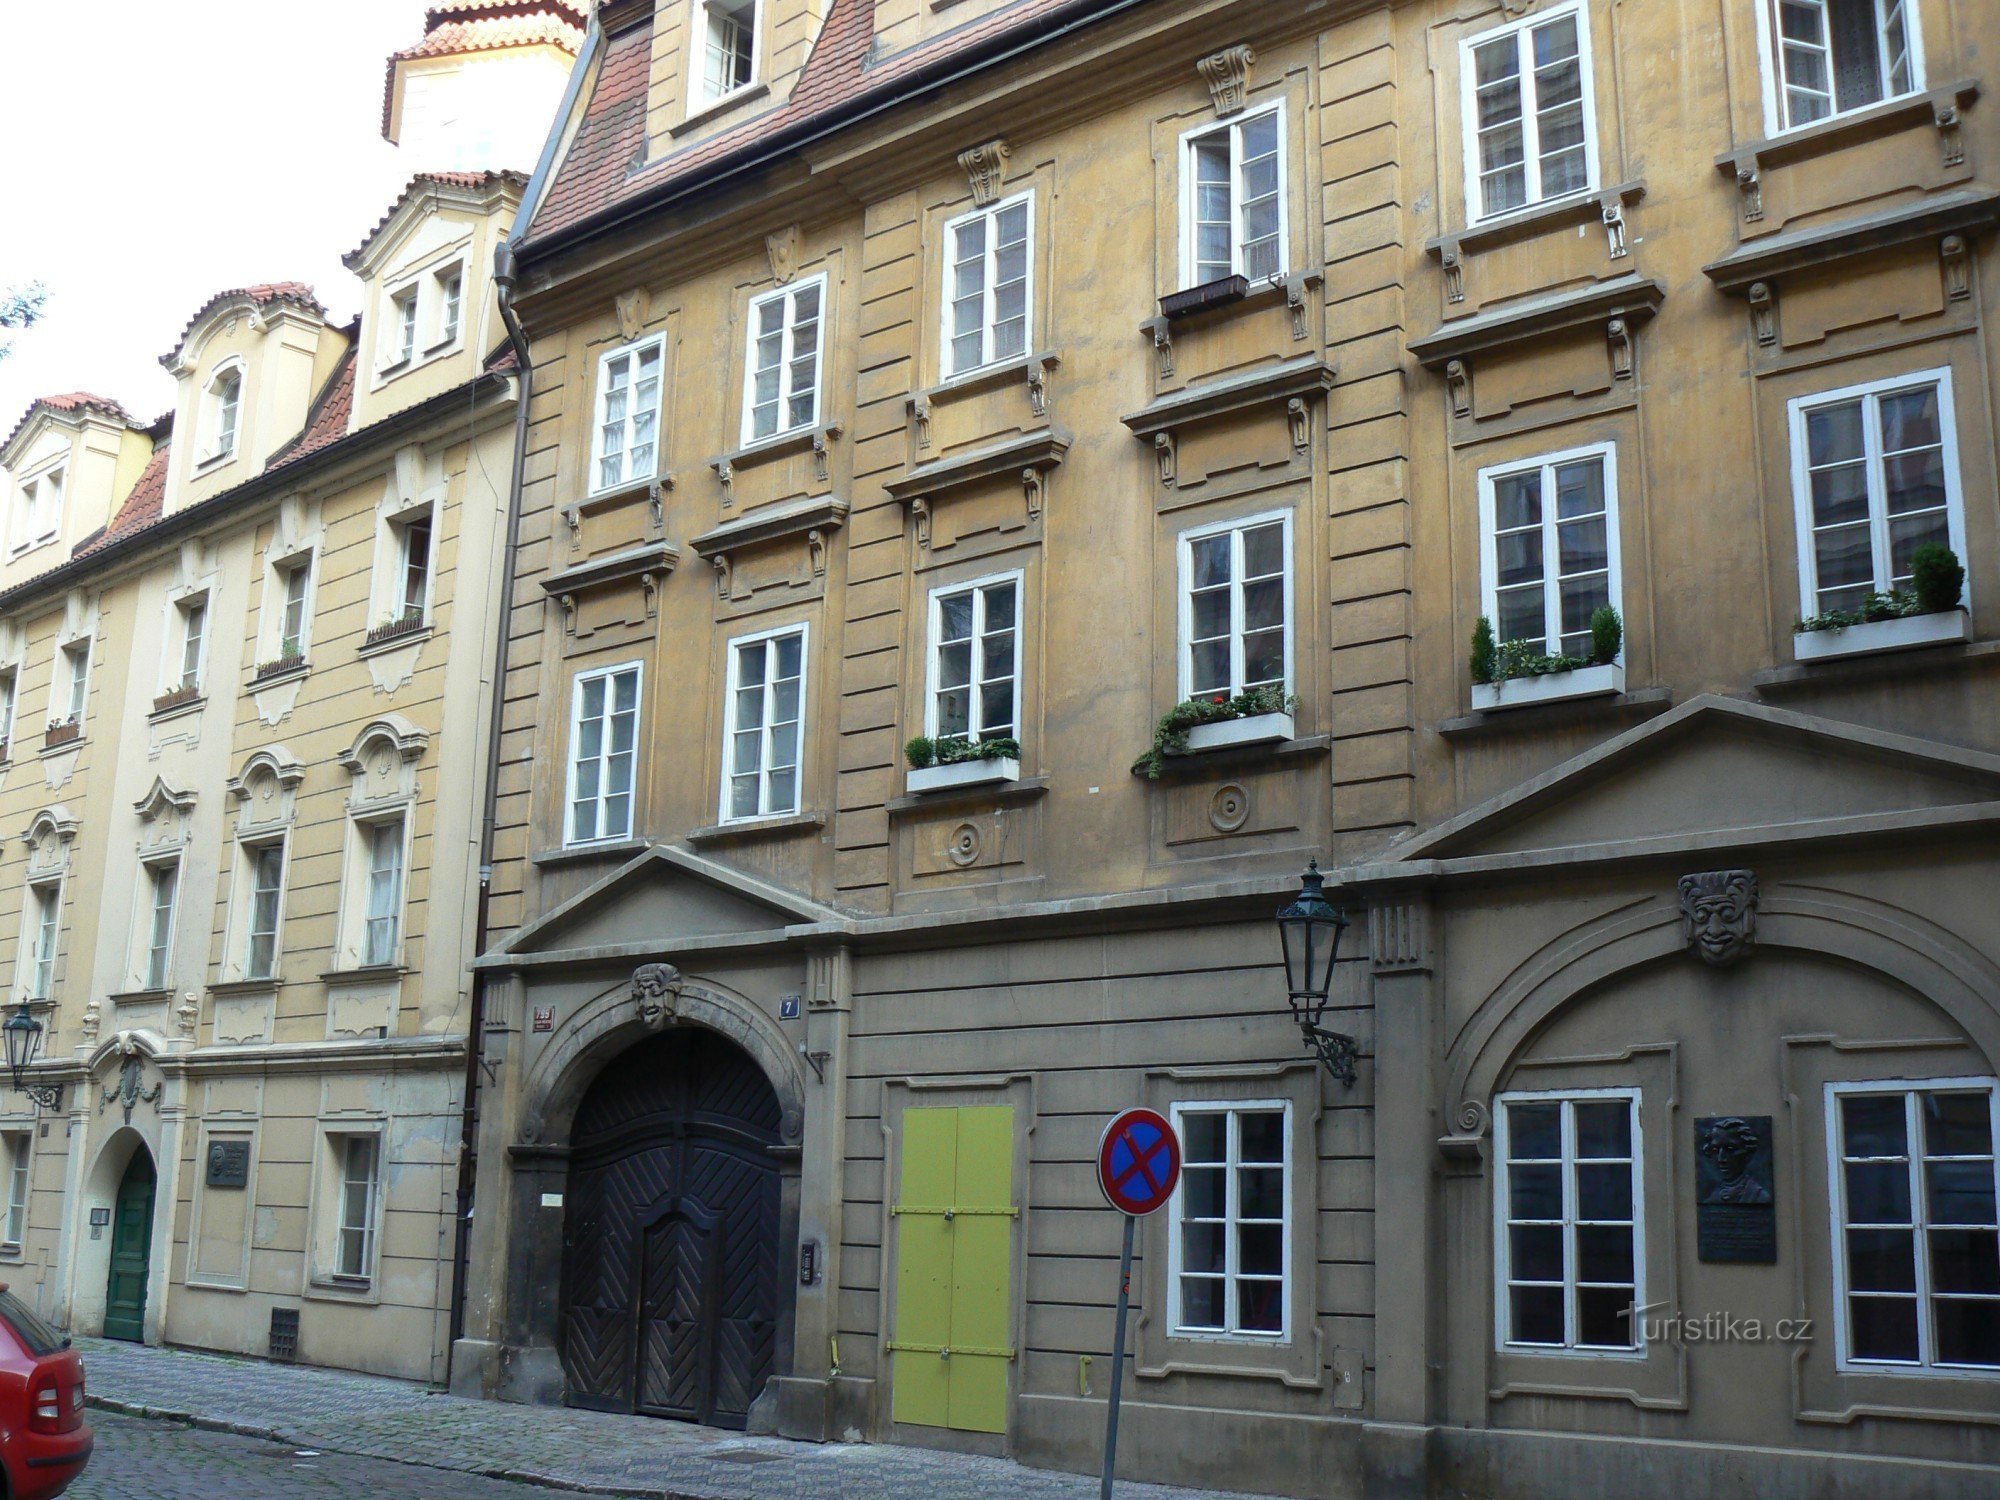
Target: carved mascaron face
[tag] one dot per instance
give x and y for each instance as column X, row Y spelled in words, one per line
column 1719, row 914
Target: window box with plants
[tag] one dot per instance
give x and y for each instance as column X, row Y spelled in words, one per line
column 1262, row 716
column 179, row 697
column 1516, row 674
column 1930, row 612
column 283, row 665
column 944, row 764
column 409, row 622
column 62, row 732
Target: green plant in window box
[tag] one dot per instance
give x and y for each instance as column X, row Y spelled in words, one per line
column 923, row 752
column 1170, row 735
column 1524, row 658
column 1485, row 655
column 1937, row 584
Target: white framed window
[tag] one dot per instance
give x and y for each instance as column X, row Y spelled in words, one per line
column 1570, row 1254
column 1230, row 1247
column 294, row 582
column 1530, row 122
column 728, row 47
column 766, row 724
column 1874, row 477
column 41, row 929
column 38, row 519
column 192, row 616
column 604, row 748
column 357, row 1159
column 1234, row 217
column 451, row 300
column 975, row 660
column 403, row 306
column 414, row 539
column 162, row 890
column 9, row 696
column 1824, row 58
column 264, row 869
column 781, row 367
column 989, row 284
column 72, row 691
column 1916, row 1239
column 225, row 406
column 1548, row 547
column 1236, row 606
column 382, row 913
column 19, row 1146
column 625, row 446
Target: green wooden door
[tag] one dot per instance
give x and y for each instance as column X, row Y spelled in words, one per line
column 131, row 1251
column 955, row 1218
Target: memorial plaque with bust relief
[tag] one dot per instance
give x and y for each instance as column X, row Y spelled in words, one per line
column 1735, row 1193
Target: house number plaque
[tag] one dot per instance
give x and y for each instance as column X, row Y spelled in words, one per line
column 1735, row 1195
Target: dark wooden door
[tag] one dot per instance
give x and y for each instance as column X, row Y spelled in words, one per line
column 670, row 1245
column 131, row 1251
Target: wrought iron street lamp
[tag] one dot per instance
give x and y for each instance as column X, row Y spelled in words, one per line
column 24, row 1042
column 1309, row 930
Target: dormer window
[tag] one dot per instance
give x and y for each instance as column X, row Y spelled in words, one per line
column 225, row 403
column 729, row 52
column 40, row 515
column 406, row 327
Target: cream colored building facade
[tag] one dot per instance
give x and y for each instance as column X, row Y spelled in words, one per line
column 1142, row 352
column 246, row 657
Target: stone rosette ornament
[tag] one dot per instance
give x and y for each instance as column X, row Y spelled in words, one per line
column 1719, row 915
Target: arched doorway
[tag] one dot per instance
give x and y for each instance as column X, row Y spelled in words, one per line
column 131, row 1250
column 671, row 1233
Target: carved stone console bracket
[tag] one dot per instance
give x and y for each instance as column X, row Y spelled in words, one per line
column 1616, row 307
column 983, row 165
column 577, row 511
column 1607, row 205
column 1227, row 74
column 1027, row 458
column 1954, row 254
column 1960, row 213
column 808, row 521
column 645, row 565
column 1763, row 313
column 1292, row 386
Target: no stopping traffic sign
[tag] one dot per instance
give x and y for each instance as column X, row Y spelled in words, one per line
column 1139, row 1162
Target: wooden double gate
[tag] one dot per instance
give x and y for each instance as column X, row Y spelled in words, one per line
column 671, row 1234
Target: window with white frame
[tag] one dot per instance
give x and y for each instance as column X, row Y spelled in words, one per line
column 782, row 365
column 404, row 347
column 1874, row 477
column 1549, row 548
column 1916, row 1237
column 413, row 567
column 1570, row 1254
column 382, row 891
column 38, row 940
column 988, row 280
column 359, row 1165
column 451, row 299
column 1831, row 57
column 38, row 518
column 19, row 1144
column 264, row 869
column 729, row 46
column 603, row 738
column 766, row 714
column 294, row 587
column 1230, row 1252
column 975, row 667
column 629, row 388
column 163, row 880
column 9, row 696
column 1236, row 607
column 225, row 406
column 192, row 616
column 1233, row 212
column 72, row 689
column 1530, row 127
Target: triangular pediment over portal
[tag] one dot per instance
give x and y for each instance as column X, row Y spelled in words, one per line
column 667, row 897
column 1724, row 770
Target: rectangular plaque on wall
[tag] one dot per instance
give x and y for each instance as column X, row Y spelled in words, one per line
column 228, row 1164
column 1736, row 1211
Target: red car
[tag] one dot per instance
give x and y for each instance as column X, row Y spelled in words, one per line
column 44, row 1441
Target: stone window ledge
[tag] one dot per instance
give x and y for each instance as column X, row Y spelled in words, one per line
column 982, row 794
column 751, row 830
column 1560, row 713
column 395, row 642
column 1538, row 218
column 571, row 854
column 230, row 987
column 715, row 110
column 1196, row 764
column 1845, row 130
column 1873, row 666
column 177, row 710
column 263, row 679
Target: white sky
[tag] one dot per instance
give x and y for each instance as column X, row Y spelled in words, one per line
column 165, row 149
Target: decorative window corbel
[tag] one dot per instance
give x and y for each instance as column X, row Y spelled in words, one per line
column 983, row 165
column 1227, row 74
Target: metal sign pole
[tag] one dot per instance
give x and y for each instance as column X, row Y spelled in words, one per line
column 1118, row 1360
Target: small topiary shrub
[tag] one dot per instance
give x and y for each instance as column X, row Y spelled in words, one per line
column 1938, row 577
column 1607, row 636
column 1485, row 655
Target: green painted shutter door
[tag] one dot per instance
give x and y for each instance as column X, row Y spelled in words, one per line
column 982, row 1241
column 923, row 1271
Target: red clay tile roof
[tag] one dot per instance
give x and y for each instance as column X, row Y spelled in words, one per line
column 605, row 164
column 467, row 26
column 297, row 293
column 69, row 401
column 329, row 417
column 141, row 508
column 469, row 180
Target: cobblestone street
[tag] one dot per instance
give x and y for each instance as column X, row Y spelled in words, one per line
column 444, row 1448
